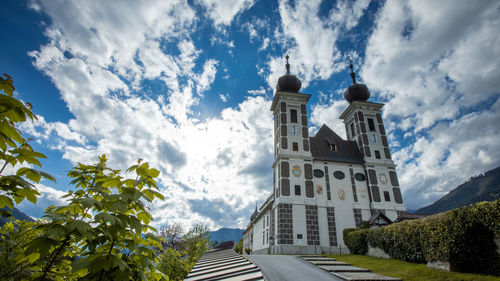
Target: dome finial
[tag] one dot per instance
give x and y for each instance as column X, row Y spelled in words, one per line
column 353, row 75
column 287, row 65
column 288, row 82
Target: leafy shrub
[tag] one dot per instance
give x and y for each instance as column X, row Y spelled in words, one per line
column 173, row 265
column 355, row 240
column 239, row 247
column 247, row 250
column 464, row 237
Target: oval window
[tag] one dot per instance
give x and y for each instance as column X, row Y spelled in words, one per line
column 359, row 177
column 339, row 175
column 318, row 173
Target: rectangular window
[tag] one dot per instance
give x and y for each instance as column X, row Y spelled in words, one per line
column 352, row 130
column 357, row 217
column 297, row 190
column 387, row 197
column 377, row 154
column 295, row 146
column 263, row 237
column 267, row 220
column 371, row 124
column 293, row 115
column 333, row 147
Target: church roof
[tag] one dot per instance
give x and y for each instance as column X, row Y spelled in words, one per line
column 346, row 151
column 374, row 219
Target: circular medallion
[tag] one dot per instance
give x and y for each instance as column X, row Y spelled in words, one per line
column 359, row 177
column 296, row 171
column 363, row 194
column 339, row 175
column 341, row 194
column 382, row 178
column 319, row 188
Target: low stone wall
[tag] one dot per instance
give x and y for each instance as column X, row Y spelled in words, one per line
column 377, row 252
column 304, row 250
column 443, row 265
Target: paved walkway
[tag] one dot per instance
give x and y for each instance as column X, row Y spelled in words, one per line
column 283, row 268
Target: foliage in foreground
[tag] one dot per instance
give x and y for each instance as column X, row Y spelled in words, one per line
column 464, row 237
column 15, row 152
column 103, row 232
column 239, row 247
column 409, row 271
column 177, row 261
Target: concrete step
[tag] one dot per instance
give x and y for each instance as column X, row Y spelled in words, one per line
column 343, row 268
column 311, row 256
column 363, row 276
column 330, row 262
column 317, row 259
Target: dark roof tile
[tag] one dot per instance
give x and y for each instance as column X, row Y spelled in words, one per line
column 347, row 151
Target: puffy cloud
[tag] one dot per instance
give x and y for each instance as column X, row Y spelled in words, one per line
column 222, row 12
column 311, row 40
column 440, row 85
column 256, row 92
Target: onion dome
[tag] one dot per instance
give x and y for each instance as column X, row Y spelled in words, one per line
column 288, row 82
column 356, row 92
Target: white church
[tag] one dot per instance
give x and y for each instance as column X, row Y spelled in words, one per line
column 324, row 184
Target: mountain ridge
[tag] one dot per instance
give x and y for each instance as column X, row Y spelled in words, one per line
column 483, row 187
column 227, row 234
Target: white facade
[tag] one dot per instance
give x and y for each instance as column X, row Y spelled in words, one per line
column 324, row 184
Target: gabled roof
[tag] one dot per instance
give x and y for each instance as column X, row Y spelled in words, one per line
column 373, row 219
column 347, row 151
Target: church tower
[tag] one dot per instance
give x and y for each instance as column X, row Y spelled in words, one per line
column 363, row 123
column 292, row 167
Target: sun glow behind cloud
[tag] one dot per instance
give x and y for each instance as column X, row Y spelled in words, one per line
column 102, row 57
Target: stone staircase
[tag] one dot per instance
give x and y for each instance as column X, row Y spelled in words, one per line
column 344, row 270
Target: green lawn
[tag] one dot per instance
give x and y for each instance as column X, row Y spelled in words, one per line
column 408, row 271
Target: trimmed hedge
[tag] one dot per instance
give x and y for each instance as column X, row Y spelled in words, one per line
column 355, row 240
column 464, row 237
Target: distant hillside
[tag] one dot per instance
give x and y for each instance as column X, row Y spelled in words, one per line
column 479, row 188
column 227, row 234
column 17, row 215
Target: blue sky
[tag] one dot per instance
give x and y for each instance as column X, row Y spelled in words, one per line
column 187, row 86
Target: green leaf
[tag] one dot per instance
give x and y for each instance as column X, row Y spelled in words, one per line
column 152, row 193
column 144, row 217
column 29, row 194
column 80, row 226
column 6, row 201
column 40, row 245
column 115, row 182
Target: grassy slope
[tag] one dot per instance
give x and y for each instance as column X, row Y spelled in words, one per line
column 409, row 271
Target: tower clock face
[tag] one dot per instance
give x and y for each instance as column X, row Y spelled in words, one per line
column 293, row 130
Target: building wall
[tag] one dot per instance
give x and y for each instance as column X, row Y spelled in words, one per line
column 261, row 231
column 314, row 201
column 247, row 238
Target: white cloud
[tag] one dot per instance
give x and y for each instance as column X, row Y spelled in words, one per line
column 223, row 97
column 222, row 12
column 256, row 92
column 265, row 44
column 431, row 76
column 207, row 77
column 328, row 113
column 311, row 40
column 220, row 159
